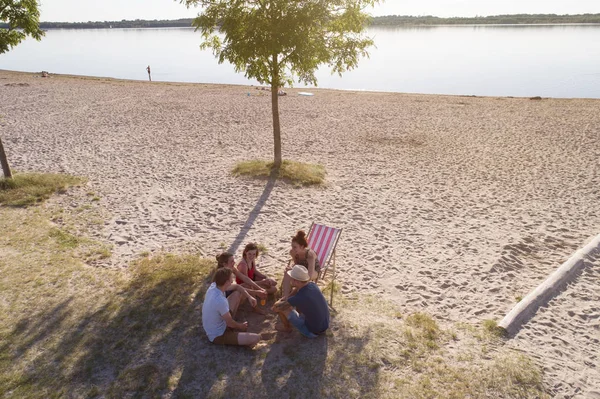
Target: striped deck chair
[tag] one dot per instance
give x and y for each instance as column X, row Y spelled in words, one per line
column 323, row 240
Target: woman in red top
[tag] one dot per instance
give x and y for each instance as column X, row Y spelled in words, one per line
column 247, row 267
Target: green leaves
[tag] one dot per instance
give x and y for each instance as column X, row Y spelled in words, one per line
column 279, row 41
column 274, row 41
column 23, row 18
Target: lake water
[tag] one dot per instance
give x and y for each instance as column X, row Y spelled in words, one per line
column 547, row 61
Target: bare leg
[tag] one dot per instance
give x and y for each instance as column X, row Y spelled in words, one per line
column 283, row 316
column 235, row 299
column 286, row 285
column 248, row 339
column 314, row 276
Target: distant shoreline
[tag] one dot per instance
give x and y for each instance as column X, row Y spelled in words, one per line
column 390, row 20
column 290, row 89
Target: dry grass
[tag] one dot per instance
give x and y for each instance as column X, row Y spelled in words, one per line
column 29, row 188
column 68, row 329
column 71, row 330
column 297, row 173
column 491, row 327
column 416, row 358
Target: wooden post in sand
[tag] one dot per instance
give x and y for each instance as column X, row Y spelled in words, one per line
column 4, row 162
column 526, row 308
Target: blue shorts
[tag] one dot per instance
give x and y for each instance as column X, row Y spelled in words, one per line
column 297, row 321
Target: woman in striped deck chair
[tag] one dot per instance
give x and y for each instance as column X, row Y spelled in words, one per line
column 301, row 255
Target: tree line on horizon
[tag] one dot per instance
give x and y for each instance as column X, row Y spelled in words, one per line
column 516, row 19
column 389, row 20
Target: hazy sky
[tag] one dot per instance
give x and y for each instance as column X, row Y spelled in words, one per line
column 111, row 10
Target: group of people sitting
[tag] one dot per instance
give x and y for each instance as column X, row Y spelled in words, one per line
column 302, row 305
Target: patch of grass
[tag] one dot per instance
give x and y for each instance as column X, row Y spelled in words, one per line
column 30, row 188
column 180, row 272
column 332, row 285
column 518, row 298
column 491, row 327
column 427, row 327
column 140, row 380
column 296, row 173
column 417, row 358
column 68, row 329
column 262, row 248
column 97, row 254
column 45, row 295
column 63, row 238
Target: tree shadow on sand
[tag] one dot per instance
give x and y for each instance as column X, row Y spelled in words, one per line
column 146, row 340
column 235, row 245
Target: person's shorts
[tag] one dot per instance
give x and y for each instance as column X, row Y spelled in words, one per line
column 297, row 321
column 229, row 337
column 227, row 293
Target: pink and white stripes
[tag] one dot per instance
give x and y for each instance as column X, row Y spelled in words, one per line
column 322, row 240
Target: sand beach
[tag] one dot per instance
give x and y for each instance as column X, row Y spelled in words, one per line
column 455, row 206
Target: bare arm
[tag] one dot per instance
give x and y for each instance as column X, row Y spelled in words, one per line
column 310, row 259
column 243, row 275
column 281, row 305
column 259, row 274
column 245, row 293
column 234, row 324
column 293, row 292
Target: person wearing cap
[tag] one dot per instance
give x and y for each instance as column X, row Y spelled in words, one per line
column 217, row 320
column 306, row 309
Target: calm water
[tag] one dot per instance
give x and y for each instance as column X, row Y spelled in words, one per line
column 548, row 61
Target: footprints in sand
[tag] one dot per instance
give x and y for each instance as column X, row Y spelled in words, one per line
column 569, row 326
column 455, row 216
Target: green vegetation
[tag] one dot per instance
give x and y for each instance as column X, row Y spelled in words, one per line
column 64, row 324
column 297, row 173
column 279, row 41
column 491, row 327
column 30, row 188
column 388, row 20
column 419, row 359
column 262, row 248
column 18, row 19
column 123, row 24
column 517, row 19
column 71, row 330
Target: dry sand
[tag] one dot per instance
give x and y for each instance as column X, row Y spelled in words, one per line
column 450, row 205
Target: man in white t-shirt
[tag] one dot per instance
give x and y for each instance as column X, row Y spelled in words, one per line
column 216, row 318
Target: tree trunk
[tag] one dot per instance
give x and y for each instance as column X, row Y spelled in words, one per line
column 276, row 126
column 275, row 109
column 4, row 162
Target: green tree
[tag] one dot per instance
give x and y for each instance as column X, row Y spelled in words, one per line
column 279, row 41
column 23, row 19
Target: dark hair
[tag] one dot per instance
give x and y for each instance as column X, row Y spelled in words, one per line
column 222, row 275
column 223, row 259
column 250, row 247
column 300, row 238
